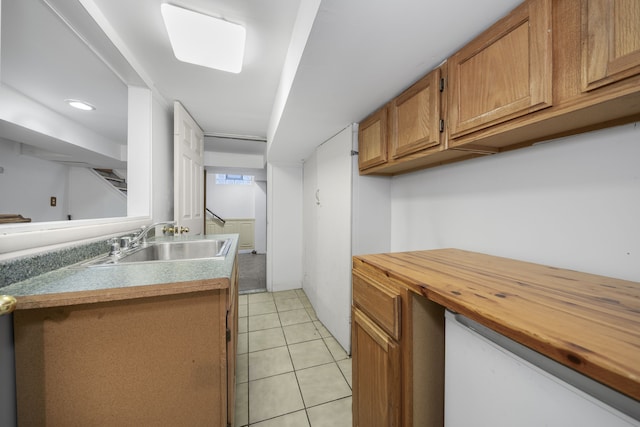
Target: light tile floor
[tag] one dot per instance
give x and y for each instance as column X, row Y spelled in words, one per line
column 290, row 371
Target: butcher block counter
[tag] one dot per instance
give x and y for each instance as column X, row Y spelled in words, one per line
column 587, row 322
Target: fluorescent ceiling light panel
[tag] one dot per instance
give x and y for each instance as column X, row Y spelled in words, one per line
column 204, row 40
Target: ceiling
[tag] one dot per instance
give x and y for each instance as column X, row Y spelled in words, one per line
column 52, row 51
column 311, row 68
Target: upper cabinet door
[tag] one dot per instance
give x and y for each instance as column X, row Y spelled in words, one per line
column 372, row 140
column 415, row 117
column 504, row 73
column 610, row 42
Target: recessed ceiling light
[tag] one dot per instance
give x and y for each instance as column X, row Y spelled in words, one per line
column 204, row 40
column 80, row 105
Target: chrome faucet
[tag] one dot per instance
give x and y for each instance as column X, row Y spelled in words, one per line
column 118, row 245
column 142, row 234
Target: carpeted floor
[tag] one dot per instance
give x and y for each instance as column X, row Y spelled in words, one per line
column 252, row 273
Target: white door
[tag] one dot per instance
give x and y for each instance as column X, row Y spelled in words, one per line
column 333, row 268
column 188, row 177
column 310, row 228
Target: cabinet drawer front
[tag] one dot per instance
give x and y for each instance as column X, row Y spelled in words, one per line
column 380, row 304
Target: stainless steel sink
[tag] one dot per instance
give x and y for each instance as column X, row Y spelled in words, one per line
column 169, row 251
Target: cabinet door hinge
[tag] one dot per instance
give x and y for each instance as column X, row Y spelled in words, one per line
column 441, row 85
column 441, row 125
column 228, row 334
column 354, row 153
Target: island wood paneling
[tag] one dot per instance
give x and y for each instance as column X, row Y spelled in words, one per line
column 147, row 361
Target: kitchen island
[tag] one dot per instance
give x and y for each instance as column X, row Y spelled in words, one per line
column 149, row 343
column 588, row 323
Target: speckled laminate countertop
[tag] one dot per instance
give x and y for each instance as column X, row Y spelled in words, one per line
column 79, row 285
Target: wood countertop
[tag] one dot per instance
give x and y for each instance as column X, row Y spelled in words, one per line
column 587, row 322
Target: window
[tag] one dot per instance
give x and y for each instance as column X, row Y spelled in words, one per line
column 227, row 178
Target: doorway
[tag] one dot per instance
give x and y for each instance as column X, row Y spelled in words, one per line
column 239, row 198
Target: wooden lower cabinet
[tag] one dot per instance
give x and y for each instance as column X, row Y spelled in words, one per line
column 158, row 360
column 376, row 399
column 397, row 353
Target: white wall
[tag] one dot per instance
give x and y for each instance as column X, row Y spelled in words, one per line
column 370, row 209
column 261, row 217
column 216, row 159
column 231, row 201
column 241, row 201
column 284, row 227
column 140, row 134
column 162, row 162
column 91, row 196
column 371, row 223
column 572, row 203
column 27, row 184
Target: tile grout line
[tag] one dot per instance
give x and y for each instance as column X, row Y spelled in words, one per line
column 290, row 360
column 248, row 367
column 324, row 339
column 304, row 405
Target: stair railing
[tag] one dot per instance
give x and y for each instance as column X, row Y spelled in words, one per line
column 216, row 216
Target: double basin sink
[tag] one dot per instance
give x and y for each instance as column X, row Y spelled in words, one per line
column 211, row 249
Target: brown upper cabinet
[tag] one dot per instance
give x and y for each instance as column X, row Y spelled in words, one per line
column 399, row 134
column 372, row 140
column 415, row 117
column 610, row 41
column 409, row 132
column 546, row 70
column 595, row 76
column 504, row 73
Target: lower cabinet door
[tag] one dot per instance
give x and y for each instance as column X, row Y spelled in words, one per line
column 376, row 374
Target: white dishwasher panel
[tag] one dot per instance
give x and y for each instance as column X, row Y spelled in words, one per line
column 487, row 385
